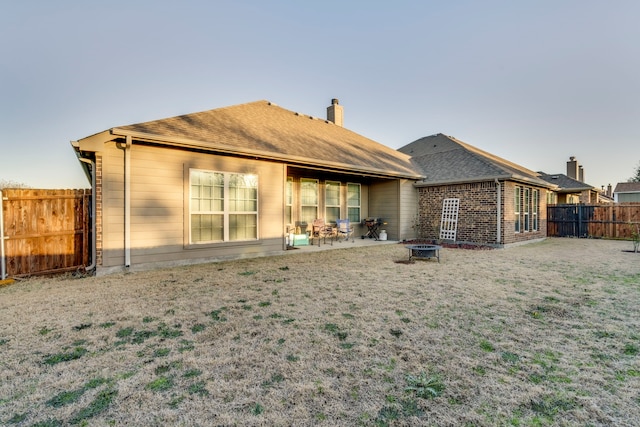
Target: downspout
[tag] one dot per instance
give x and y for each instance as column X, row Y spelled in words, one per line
column 499, row 213
column 94, row 238
column 127, row 202
column 3, row 268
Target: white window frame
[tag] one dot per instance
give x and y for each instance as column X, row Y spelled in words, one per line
column 226, row 210
column 327, row 185
column 307, row 203
column 527, row 209
column 535, row 208
column 351, row 206
column 516, row 208
column 288, row 196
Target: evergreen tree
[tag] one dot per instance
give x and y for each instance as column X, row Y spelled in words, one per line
column 636, row 176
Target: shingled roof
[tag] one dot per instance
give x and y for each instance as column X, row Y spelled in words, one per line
column 446, row 160
column 627, row 187
column 264, row 130
column 565, row 183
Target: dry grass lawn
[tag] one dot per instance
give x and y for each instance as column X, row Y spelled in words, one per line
column 541, row 334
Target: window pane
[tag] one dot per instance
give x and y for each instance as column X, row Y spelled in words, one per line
column 535, row 208
column 308, row 214
column 288, row 216
column 332, row 194
column 354, row 215
column 353, row 202
column 309, row 192
column 243, row 193
column 206, row 228
column 516, row 203
column 353, row 195
column 526, row 204
column 243, row 226
column 207, row 191
column 308, row 200
column 332, row 214
column 289, row 192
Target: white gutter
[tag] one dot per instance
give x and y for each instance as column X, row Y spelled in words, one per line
column 94, row 238
column 499, row 213
column 127, row 202
column 3, row 269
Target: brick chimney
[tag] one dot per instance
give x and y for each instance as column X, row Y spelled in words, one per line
column 335, row 113
column 573, row 169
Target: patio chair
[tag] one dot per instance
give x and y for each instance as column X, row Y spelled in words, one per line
column 320, row 230
column 344, row 229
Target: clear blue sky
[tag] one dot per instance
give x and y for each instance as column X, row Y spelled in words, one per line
column 530, row 81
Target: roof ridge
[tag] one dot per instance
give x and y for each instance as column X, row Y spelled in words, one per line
column 495, row 160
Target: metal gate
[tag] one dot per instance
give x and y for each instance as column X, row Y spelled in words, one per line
column 569, row 220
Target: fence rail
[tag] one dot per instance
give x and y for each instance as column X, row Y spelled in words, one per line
column 612, row 221
column 45, row 231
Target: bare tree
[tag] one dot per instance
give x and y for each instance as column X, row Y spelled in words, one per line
column 8, row 183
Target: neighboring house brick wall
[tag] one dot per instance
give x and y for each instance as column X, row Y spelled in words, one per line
column 98, row 213
column 509, row 236
column 476, row 217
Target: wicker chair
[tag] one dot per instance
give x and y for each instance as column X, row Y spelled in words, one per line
column 320, row 230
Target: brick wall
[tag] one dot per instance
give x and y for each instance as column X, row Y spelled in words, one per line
column 509, row 234
column 477, row 216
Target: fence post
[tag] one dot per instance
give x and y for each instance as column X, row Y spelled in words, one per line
column 579, row 207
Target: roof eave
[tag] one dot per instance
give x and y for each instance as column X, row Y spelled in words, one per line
column 516, row 178
column 227, row 149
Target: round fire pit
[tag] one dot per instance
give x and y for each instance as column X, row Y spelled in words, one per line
column 424, row 251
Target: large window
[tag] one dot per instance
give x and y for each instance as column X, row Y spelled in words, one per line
column 526, row 209
column 517, row 205
column 353, row 202
column 223, row 206
column 288, row 214
column 536, row 207
column 526, row 205
column 332, row 201
column 308, row 200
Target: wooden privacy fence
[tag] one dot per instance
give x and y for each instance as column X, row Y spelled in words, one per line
column 613, row 221
column 45, row 231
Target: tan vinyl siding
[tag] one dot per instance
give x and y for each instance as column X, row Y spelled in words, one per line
column 628, row 197
column 384, row 203
column 160, row 207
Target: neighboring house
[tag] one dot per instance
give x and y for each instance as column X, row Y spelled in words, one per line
column 571, row 187
column 499, row 202
column 227, row 183
column 572, row 191
column 627, row 192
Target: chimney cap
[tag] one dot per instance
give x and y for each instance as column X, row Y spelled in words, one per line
column 334, row 101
